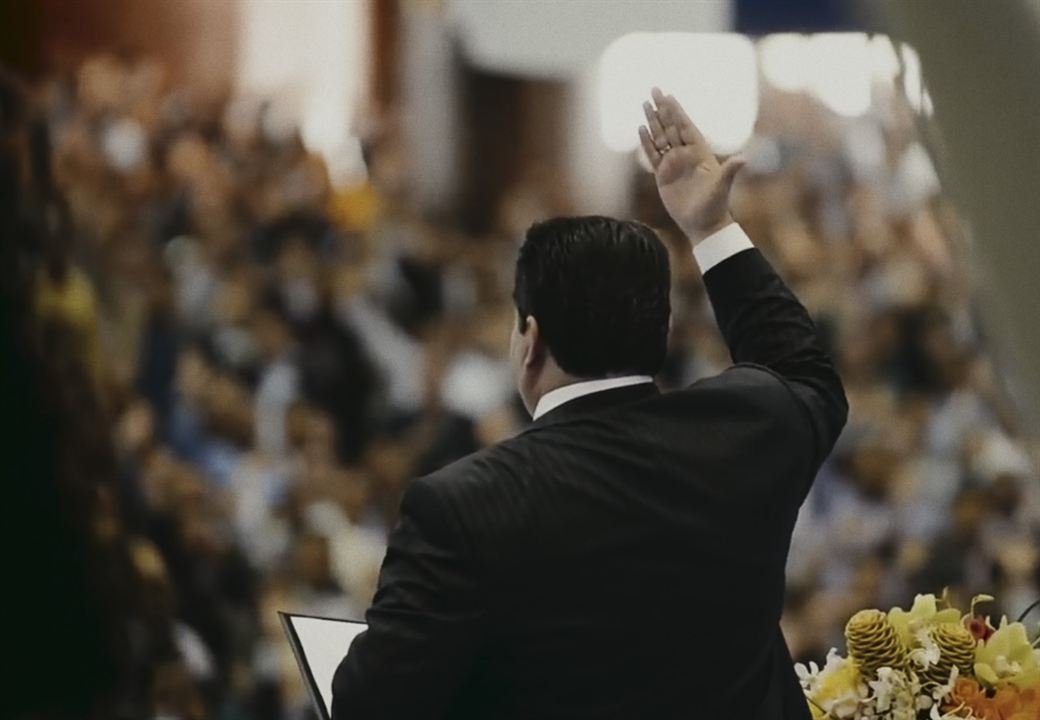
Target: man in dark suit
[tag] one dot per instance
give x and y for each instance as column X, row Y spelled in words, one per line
column 624, row 556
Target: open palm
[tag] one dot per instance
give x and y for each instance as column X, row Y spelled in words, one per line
column 693, row 185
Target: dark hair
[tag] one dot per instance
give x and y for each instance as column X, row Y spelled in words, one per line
column 599, row 289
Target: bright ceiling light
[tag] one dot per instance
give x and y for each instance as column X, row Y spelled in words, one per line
column 786, row 62
column 840, row 69
column 915, row 92
column 313, row 57
column 884, row 63
column 714, row 76
column 841, row 74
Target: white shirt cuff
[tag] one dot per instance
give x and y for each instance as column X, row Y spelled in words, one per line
column 720, row 246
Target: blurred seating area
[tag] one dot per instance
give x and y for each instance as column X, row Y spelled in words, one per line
column 274, row 356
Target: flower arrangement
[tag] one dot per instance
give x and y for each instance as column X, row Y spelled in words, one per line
column 930, row 662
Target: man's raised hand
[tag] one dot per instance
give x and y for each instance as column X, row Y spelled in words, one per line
column 693, row 185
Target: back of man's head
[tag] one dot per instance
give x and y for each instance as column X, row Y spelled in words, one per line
column 599, row 289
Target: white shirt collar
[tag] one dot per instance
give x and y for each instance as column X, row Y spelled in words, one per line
column 554, row 398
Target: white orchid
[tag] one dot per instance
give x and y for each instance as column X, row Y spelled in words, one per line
column 884, row 688
column 927, row 651
column 844, row 707
column 895, row 695
column 813, row 676
column 941, row 692
column 808, row 677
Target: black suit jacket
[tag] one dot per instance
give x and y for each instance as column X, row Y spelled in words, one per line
column 624, row 556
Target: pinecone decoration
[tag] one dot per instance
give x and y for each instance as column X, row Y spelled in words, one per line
column 956, row 648
column 873, row 643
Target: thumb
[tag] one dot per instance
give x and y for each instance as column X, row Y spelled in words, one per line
column 730, row 168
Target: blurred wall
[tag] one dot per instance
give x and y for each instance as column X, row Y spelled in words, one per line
column 513, row 154
column 311, row 57
column 196, row 39
column 980, row 62
column 598, row 177
column 19, row 35
column 552, row 38
column 531, row 74
column 429, row 75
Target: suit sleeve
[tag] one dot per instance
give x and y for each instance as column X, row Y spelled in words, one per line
column 764, row 323
column 424, row 627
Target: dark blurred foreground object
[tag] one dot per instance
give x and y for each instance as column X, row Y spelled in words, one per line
column 52, row 612
column 79, row 640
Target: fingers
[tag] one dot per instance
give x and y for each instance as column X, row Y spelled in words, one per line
column 690, row 133
column 666, row 112
column 672, row 114
column 652, row 153
column 669, row 126
column 653, row 123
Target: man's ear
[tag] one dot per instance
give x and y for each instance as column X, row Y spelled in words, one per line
column 534, row 345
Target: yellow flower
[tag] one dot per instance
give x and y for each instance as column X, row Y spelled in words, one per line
column 837, row 690
column 923, row 614
column 1007, row 657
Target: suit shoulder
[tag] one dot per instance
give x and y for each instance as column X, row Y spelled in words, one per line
column 477, row 470
column 753, row 384
column 478, row 487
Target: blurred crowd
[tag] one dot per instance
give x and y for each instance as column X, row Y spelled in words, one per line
column 263, row 358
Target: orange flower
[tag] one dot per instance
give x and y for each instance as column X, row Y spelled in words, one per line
column 1008, row 703
column 965, row 691
column 1006, row 697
